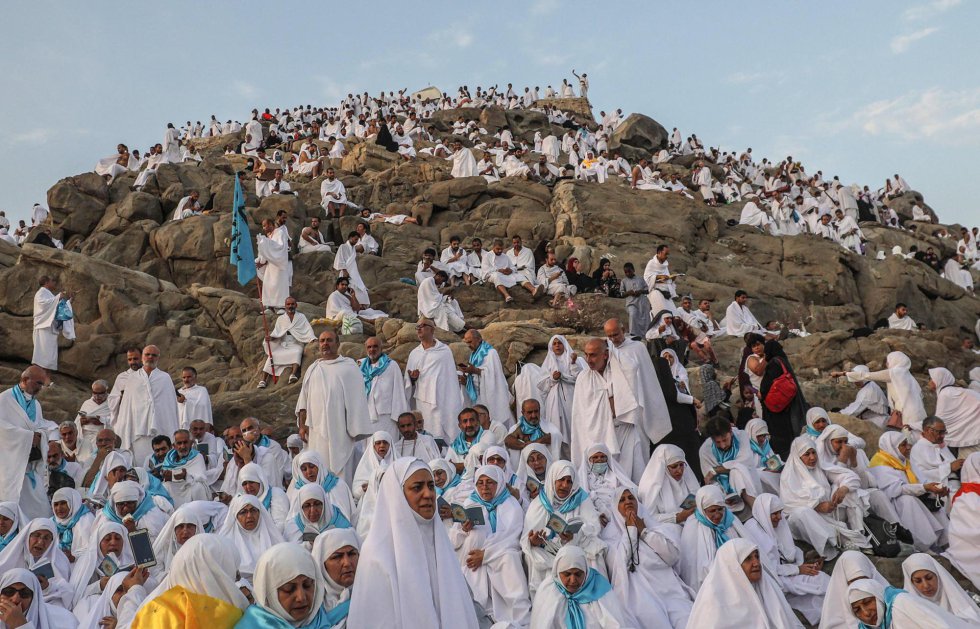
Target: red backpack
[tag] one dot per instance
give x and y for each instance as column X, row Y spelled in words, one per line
column 782, row 392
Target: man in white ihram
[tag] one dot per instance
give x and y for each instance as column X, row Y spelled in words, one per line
column 464, row 162
column 287, row 339
column 148, row 408
column 273, row 265
column 332, row 409
column 47, row 327
column 483, row 380
column 193, row 400
column 24, row 447
column 429, row 374
column 739, row 320
column 384, row 387
column 435, row 301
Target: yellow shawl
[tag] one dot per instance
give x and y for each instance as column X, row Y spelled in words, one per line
column 179, row 609
column 884, row 459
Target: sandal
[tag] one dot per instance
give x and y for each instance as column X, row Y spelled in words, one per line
column 508, row 300
column 293, row 378
column 263, row 384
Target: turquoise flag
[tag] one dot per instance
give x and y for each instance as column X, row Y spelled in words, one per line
column 242, row 254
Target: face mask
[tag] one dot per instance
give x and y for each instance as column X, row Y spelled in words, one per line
column 600, row 468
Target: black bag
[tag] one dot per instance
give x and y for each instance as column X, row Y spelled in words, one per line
column 932, row 502
column 884, row 540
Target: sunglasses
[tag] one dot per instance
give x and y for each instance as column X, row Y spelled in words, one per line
column 9, row 592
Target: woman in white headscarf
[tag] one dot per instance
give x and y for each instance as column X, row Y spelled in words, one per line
column 250, row 527
column 712, row 525
column 252, row 480
column 127, row 499
column 812, row 504
column 287, row 590
column 200, row 585
column 490, row 553
column 113, row 470
column 89, row 574
column 904, row 393
column 369, row 502
column 408, row 575
column 183, row 524
column 667, row 483
column 802, row 582
column 21, row 603
column 377, row 452
column 497, row 455
column 851, row 566
column 447, row 480
column 577, row 596
column 121, row 597
column 601, row 475
column 336, row 553
column 74, row 521
column 562, row 497
column 308, row 467
column 532, row 468
column 875, row 605
column 559, row 391
column 926, row 577
column 311, row 514
column 36, row 545
column 741, row 592
column 677, row 371
column 843, row 467
column 959, row 409
column 641, row 560
column 964, row 534
column 759, row 441
column 11, row 521
column 893, row 474
column 871, row 403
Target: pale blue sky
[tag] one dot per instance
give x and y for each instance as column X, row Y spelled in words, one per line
column 858, row 89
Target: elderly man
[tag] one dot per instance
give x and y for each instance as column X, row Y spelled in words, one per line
column 149, row 407
column 288, row 338
column 435, row 301
column 51, row 319
column 212, row 447
column 185, row 471
column 332, row 410
column 270, row 456
column 428, row 373
column 931, row 459
column 74, row 448
column 93, row 416
column 193, row 401
column 383, row 385
column 605, row 409
column 483, row 380
column 61, row 472
column 24, row 446
column 106, row 443
column 530, row 429
column 469, row 434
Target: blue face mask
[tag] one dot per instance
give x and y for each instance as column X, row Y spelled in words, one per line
column 600, row 468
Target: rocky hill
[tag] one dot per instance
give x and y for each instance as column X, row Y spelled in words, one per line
column 141, row 278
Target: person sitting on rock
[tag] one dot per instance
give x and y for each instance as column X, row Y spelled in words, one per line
column 435, row 301
column 498, row 269
column 333, row 195
column 900, row 319
column 552, row 277
column 188, row 206
column 522, row 260
column 311, row 240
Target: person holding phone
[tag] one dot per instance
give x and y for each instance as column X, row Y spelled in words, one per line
column 184, row 471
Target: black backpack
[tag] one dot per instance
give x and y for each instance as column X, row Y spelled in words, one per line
column 884, row 539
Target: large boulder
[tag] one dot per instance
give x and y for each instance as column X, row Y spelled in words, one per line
column 638, row 136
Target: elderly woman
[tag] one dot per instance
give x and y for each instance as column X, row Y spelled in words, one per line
column 490, row 553
column 312, row 513
column 408, row 575
column 252, row 481
column 37, row 545
column 287, row 591
column 308, row 467
column 532, row 469
column 91, row 572
column 121, row 597
column 11, row 520
column 877, row 605
column 766, row 461
column 601, row 476
column 183, row 524
column 130, row 506
column 23, row 607
column 377, row 453
column 251, row 529
column 919, row 505
column 641, row 560
column 668, row 485
column 904, row 393
column 713, row 524
column 926, row 577
column 74, row 521
column 851, row 566
column 741, row 592
column 199, row 589
column 336, row 553
column 576, row 596
column 564, row 498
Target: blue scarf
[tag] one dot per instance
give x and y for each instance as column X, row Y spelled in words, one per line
column 144, row 507
column 9, row 537
column 571, row 503
column 455, row 481
column 264, row 441
column 764, row 451
column 476, row 359
column 890, row 594
column 156, row 488
column 462, row 446
column 65, row 533
column 335, row 615
column 718, row 529
column 595, row 587
column 258, row 617
column 370, row 373
column 328, row 483
column 338, row 521
column 30, row 407
column 174, row 461
column 724, row 456
column 491, row 506
column 812, row 431
column 533, row 432
column 267, row 501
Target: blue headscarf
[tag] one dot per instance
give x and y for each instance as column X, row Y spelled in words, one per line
column 145, row 506
column 154, row 487
column 66, row 533
column 258, row 617
column 555, row 472
column 595, row 587
column 337, row 521
column 764, row 451
column 723, row 456
column 29, row 406
column 370, row 373
column 533, row 432
column 890, row 594
column 455, row 481
column 476, row 359
column 333, row 616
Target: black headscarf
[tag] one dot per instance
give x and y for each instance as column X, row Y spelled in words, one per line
column 384, row 139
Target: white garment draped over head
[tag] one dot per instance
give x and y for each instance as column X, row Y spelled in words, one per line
column 551, row 602
column 408, row 574
column 37, row 613
column 959, row 409
column 850, row 566
column 277, row 566
column 661, row 494
column 698, row 541
column 906, row 610
column 949, row 595
column 904, row 393
column 17, row 554
column 250, row 544
column 326, row 544
column 88, row 562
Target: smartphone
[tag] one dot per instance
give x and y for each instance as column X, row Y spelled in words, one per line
column 139, row 541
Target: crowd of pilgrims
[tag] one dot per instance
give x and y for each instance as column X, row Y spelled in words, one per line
column 595, row 492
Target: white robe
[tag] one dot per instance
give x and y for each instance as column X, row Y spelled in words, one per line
column 523, row 262
column 18, row 434
column 655, row 419
column 464, row 163
column 958, row 407
column 149, row 408
column 329, row 188
column 346, row 260
column 442, row 309
column 901, row 323
column 289, row 337
column 432, row 394
column 492, row 390
column 194, row 486
column 336, row 411
column 739, row 320
column 491, row 266
column 46, row 329
column 275, row 275
column 196, row 405
column 387, row 400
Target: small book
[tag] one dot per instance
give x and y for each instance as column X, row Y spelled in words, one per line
column 532, row 484
column 558, row 525
column 203, row 448
column 441, row 502
column 441, row 443
column 688, row 502
column 774, row 463
column 472, row 514
column 308, row 536
column 108, row 565
column 45, row 570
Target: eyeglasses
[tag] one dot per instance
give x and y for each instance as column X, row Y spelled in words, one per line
column 24, row 593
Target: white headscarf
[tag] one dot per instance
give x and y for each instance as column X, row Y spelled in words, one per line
column 950, row 595
column 524, row 470
column 37, row 613
column 851, row 566
column 975, row 375
column 553, row 362
column 17, row 554
column 408, row 574
column 728, row 600
column 12, row 511
column 763, row 507
column 507, row 470
column 698, row 546
column 71, row 496
column 279, row 565
column 677, row 370
column 87, row 563
column 872, row 397
column 802, row 486
column 904, row 392
column 326, row 544
column 103, row 606
column 250, row 544
column 370, row 461
column 253, row 472
column 205, row 565
column 959, row 408
column 615, row 469
column 100, row 486
column 165, row 545
column 658, row 490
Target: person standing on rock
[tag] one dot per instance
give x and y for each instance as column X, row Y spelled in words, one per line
column 149, row 407
column 288, row 338
column 332, row 409
column 24, row 447
column 583, row 84
column 428, row 373
column 52, row 317
column 273, row 266
column 383, row 385
column 133, row 360
column 193, row 401
column 483, row 380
